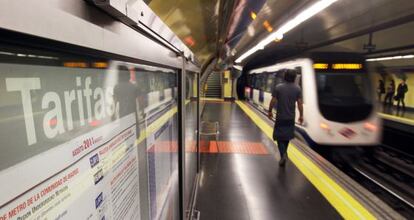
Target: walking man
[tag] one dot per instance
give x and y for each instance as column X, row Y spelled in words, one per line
column 285, row 96
column 380, row 89
column 389, row 96
column 401, row 90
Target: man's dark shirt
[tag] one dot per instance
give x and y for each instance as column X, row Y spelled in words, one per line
column 286, row 95
column 402, row 89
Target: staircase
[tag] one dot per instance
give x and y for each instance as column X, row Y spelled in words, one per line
column 213, row 86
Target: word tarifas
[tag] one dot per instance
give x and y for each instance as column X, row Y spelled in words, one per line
column 104, row 105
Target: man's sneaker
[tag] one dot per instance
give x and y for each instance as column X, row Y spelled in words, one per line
column 282, row 161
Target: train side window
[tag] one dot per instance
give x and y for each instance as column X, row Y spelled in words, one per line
column 279, row 77
column 248, row 80
column 299, row 80
column 264, row 82
column 258, row 82
column 254, row 78
column 269, row 82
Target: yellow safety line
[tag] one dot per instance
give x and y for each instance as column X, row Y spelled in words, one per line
column 157, row 124
column 340, row 199
column 397, row 118
column 212, row 99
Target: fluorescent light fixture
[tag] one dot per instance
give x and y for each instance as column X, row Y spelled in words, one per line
column 291, row 24
column 237, row 67
column 48, row 57
column 7, row 53
column 390, row 58
column 27, row 55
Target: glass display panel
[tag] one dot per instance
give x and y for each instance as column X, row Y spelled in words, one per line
column 190, row 137
column 86, row 138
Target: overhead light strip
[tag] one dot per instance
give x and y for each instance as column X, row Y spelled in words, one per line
column 291, row 24
column 237, row 67
column 411, row 56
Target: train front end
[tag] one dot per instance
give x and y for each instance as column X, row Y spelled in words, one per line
column 347, row 113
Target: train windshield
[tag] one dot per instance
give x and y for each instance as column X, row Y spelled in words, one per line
column 344, row 97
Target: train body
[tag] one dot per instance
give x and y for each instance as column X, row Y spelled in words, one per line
column 339, row 105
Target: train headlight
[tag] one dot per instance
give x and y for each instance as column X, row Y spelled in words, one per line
column 325, row 127
column 370, row 127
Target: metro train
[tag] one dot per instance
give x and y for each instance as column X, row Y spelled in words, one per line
column 339, row 106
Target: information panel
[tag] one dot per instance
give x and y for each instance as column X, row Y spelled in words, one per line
column 101, row 182
column 78, row 137
column 68, row 144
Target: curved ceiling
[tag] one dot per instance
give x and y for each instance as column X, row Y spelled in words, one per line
column 225, row 29
column 195, row 22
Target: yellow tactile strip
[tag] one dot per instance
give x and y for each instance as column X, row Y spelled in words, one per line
column 211, row 99
column 397, row 119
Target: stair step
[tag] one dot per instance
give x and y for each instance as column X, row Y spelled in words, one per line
column 214, row 87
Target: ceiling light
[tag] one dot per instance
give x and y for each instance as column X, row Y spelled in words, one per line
column 253, row 15
column 390, row 58
column 240, row 68
column 297, row 20
column 7, row 53
column 267, row 26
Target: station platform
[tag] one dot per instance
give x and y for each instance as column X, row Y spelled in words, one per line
column 397, row 115
column 241, row 178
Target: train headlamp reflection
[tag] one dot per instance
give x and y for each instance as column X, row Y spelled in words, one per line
column 325, row 127
column 370, row 127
